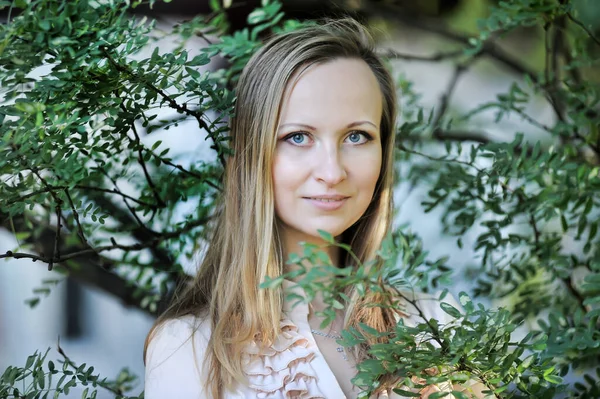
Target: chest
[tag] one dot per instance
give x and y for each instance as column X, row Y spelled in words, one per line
column 342, row 365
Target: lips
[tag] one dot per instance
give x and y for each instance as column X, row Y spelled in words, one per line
column 327, row 203
column 328, row 198
column 324, row 199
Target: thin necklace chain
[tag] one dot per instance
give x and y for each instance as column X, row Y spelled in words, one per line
column 322, row 334
column 339, row 349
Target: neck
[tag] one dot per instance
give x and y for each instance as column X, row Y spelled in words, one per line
column 291, row 244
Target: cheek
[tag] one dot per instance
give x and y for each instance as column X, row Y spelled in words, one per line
column 286, row 180
column 367, row 171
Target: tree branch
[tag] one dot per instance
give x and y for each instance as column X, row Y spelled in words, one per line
column 459, row 70
column 441, row 56
column 182, row 108
column 435, row 333
column 190, row 173
column 76, row 217
column 143, row 164
column 451, row 135
column 56, row 251
column 489, row 49
column 96, row 250
column 131, row 210
column 89, row 268
column 80, row 187
column 441, row 159
column 100, row 382
column 141, row 161
column 537, row 247
column 582, row 26
column 551, row 74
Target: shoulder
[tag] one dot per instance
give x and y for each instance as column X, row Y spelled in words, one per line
column 419, row 306
column 175, row 357
column 182, row 325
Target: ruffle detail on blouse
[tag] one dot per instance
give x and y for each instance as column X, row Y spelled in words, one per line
column 283, row 370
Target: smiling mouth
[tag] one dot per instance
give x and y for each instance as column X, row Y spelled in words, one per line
column 326, row 199
column 327, row 202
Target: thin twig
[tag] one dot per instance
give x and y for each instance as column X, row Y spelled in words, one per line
column 442, row 159
column 537, row 247
column 74, row 366
column 203, row 36
column 76, row 217
column 547, row 53
column 434, row 329
column 97, row 250
column 531, row 121
column 582, row 26
column 392, row 54
column 131, row 210
column 56, row 254
column 141, row 160
column 573, row 70
column 577, row 77
column 187, row 172
column 459, row 70
column 457, row 161
column 161, row 203
column 550, row 85
column 568, row 281
column 451, row 135
column 80, row 187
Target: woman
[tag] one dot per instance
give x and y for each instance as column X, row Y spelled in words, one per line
column 313, row 138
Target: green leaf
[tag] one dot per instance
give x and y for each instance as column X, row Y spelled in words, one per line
column 407, row 393
column 326, row 236
column 199, row 60
column 553, row 379
column 460, row 395
column 271, row 283
column 438, row 395
column 451, row 310
column 194, row 74
column 565, row 225
column 156, row 144
column 443, row 294
column 30, row 361
column 257, row 16
column 45, row 25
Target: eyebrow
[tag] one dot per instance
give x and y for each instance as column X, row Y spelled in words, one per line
column 353, row 124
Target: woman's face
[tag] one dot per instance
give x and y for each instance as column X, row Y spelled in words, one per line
column 328, row 155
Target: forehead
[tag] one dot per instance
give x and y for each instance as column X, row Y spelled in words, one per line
column 332, row 93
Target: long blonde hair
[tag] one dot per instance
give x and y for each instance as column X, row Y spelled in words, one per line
column 245, row 247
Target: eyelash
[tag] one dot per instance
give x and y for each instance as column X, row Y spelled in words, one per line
column 366, row 135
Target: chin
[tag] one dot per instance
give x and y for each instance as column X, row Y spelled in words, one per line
column 333, row 230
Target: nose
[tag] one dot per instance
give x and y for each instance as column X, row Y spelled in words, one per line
column 329, row 167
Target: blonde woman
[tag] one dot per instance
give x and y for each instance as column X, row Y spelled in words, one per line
column 313, row 139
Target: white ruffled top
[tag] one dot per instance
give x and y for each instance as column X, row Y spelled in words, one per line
column 292, row 368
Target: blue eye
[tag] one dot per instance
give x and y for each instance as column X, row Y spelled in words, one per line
column 298, row 138
column 354, row 137
column 358, row 137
